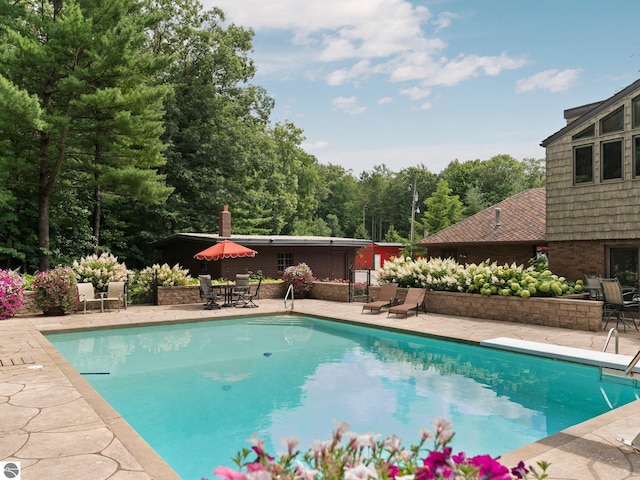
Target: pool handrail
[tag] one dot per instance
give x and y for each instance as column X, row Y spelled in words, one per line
column 286, row 295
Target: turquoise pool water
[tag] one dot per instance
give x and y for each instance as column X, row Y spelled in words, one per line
column 197, row 391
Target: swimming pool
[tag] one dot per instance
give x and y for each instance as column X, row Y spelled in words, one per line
column 197, row 391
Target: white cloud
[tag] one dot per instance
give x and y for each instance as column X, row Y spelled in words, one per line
column 385, row 100
column 444, row 20
column 550, row 80
column 359, row 70
column 314, row 146
column 348, row 105
column 416, row 93
column 356, row 39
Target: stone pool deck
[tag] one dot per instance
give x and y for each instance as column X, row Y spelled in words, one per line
column 58, row 427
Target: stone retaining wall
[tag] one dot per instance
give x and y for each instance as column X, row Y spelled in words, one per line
column 564, row 312
column 335, row 292
column 191, row 293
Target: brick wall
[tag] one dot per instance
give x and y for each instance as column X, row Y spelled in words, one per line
column 574, row 260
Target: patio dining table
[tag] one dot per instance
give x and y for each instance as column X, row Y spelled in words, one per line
column 226, row 291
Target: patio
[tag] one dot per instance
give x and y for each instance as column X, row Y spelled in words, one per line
column 57, row 426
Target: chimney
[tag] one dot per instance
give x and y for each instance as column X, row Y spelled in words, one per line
column 224, row 225
column 498, row 217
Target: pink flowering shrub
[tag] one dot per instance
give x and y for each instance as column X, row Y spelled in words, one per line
column 55, row 289
column 301, row 277
column 11, row 293
column 365, row 456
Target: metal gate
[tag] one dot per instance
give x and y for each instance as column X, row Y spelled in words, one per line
column 359, row 282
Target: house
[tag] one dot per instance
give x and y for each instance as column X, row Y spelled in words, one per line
column 593, row 189
column 373, row 256
column 328, row 257
column 510, row 231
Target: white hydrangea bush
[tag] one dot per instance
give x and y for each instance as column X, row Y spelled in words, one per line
column 159, row 276
column 486, row 278
column 100, row 270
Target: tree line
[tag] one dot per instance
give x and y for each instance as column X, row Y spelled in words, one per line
column 125, row 121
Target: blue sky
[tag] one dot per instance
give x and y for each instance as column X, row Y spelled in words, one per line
column 404, row 83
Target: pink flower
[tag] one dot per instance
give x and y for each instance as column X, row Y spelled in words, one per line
column 228, row 473
column 520, row 470
column 490, row 469
column 291, row 443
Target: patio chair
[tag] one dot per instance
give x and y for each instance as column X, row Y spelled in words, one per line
column 116, row 292
column 87, row 295
column 413, row 301
column 241, row 287
column 246, row 299
column 593, row 287
column 386, row 298
column 208, row 293
column 614, row 298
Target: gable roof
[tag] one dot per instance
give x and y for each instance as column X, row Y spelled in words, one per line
column 522, row 220
column 589, row 111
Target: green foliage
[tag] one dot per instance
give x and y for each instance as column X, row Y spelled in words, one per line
column 442, row 209
column 125, row 122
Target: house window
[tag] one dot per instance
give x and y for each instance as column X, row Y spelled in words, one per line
column 636, row 156
column 611, row 160
column 285, row 260
column 635, row 106
column 614, row 122
column 583, row 164
column 623, row 264
column 588, row 132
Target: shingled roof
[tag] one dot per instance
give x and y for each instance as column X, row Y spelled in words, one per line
column 522, row 219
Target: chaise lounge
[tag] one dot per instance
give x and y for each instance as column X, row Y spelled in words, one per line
column 413, row 301
column 386, row 298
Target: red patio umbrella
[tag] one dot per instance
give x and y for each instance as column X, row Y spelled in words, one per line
column 225, row 249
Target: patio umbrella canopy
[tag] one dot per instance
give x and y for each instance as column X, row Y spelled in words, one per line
column 225, row 249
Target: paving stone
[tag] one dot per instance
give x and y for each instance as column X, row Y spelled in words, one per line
column 75, row 415
column 52, row 445
column 15, row 417
column 44, row 397
column 76, row 467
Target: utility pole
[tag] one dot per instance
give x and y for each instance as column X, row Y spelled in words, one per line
column 413, row 215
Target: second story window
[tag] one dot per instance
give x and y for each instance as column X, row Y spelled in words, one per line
column 636, row 156
column 635, row 107
column 611, row 160
column 614, row 122
column 588, row 132
column 583, row 164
